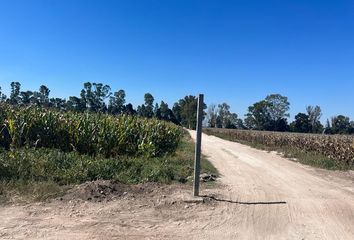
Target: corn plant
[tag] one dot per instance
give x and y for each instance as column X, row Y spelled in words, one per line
column 339, row 148
column 86, row 133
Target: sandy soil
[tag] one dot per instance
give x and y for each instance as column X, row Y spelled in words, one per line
column 260, row 195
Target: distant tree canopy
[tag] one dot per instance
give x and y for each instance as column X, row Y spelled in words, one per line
column 147, row 109
column 185, row 111
column 308, row 123
column 2, row 96
column 271, row 113
column 94, row 97
column 221, row 117
column 301, row 124
column 116, row 103
column 314, row 114
column 340, row 125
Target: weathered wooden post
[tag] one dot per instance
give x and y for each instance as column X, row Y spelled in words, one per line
column 198, row 145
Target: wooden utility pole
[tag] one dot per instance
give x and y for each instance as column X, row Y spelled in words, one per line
column 198, row 145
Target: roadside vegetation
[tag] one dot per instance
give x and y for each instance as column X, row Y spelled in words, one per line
column 29, row 174
column 53, row 165
column 43, row 151
column 334, row 152
column 49, row 142
column 86, row 133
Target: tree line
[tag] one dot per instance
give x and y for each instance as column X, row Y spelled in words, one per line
column 99, row 98
column 272, row 114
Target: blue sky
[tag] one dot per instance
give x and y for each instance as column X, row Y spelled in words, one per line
column 232, row 51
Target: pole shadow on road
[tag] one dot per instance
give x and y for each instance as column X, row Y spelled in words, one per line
column 243, row 203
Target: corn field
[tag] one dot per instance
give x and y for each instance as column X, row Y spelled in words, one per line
column 339, row 148
column 86, row 133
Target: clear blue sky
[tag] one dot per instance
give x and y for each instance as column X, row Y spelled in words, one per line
column 232, row 51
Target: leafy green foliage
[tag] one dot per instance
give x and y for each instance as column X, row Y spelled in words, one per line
column 269, row 114
column 147, row 109
column 86, row 133
column 278, row 106
column 301, row 124
column 53, row 165
column 258, row 116
column 314, row 115
column 185, row 111
column 116, row 103
column 341, row 125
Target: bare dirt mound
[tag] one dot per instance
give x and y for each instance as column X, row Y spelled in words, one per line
column 106, row 190
column 109, row 190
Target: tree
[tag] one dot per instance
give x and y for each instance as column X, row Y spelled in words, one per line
column 163, row 112
column 258, row 116
column 44, row 95
column 189, row 107
column 149, row 105
column 224, row 115
column 351, row 130
column 226, row 119
column 340, row 125
column 177, row 111
column 314, row 115
column 2, row 96
column 15, row 93
column 240, row 124
column 278, row 110
column 83, row 101
column 278, row 106
column 147, row 109
column 116, row 103
column 157, row 113
column 76, row 104
column 129, row 110
column 185, row 111
column 58, row 103
column 141, row 110
column 269, row 114
column 233, row 121
column 212, row 114
column 301, row 124
column 26, row 97
column 328, row 128
column 93, row 95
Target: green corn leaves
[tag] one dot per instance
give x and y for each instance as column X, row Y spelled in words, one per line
column 86, row 133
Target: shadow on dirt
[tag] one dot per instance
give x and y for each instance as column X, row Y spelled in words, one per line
column 243, row 203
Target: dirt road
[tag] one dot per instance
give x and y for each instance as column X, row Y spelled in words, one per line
column 262, row 196
column 319, row 204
